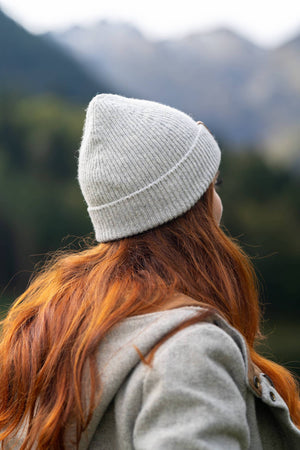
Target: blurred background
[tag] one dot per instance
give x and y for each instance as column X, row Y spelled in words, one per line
column 235, row 66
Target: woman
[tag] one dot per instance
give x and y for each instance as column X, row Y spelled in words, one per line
column 145, row 340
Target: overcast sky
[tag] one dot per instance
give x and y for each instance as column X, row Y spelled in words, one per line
column 265, row 22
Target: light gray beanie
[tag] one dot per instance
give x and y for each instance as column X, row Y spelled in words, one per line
column 141, row 164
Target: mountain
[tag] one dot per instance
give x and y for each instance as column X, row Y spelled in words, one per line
column 33, row 64
column 249, row 95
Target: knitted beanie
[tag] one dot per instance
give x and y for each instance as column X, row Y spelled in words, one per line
column 141, row 164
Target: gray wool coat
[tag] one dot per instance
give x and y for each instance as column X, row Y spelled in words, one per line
column 202, row 392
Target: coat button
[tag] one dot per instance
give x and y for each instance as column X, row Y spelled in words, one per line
column 272, row 396
column 256, row 382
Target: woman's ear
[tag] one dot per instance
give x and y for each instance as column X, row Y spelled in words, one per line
column 202, row 123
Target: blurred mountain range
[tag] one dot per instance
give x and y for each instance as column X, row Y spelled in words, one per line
column 32, row 64
column 249, row 95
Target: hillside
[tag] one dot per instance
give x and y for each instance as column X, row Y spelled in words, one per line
column 32, row 64
column 249, row 95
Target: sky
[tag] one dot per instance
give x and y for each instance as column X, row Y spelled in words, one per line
column 265, row 22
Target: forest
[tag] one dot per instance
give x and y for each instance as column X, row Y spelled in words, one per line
column 42, row 209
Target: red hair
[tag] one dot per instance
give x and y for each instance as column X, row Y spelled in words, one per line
column 52, row 331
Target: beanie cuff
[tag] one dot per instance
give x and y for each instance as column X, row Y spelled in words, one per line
column 169, row 196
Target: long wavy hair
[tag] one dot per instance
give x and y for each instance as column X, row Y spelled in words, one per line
column 52, row 332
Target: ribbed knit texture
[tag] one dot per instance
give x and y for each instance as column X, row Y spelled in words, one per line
column 141, row 164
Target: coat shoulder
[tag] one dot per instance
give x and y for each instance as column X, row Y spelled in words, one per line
column 201, row 348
